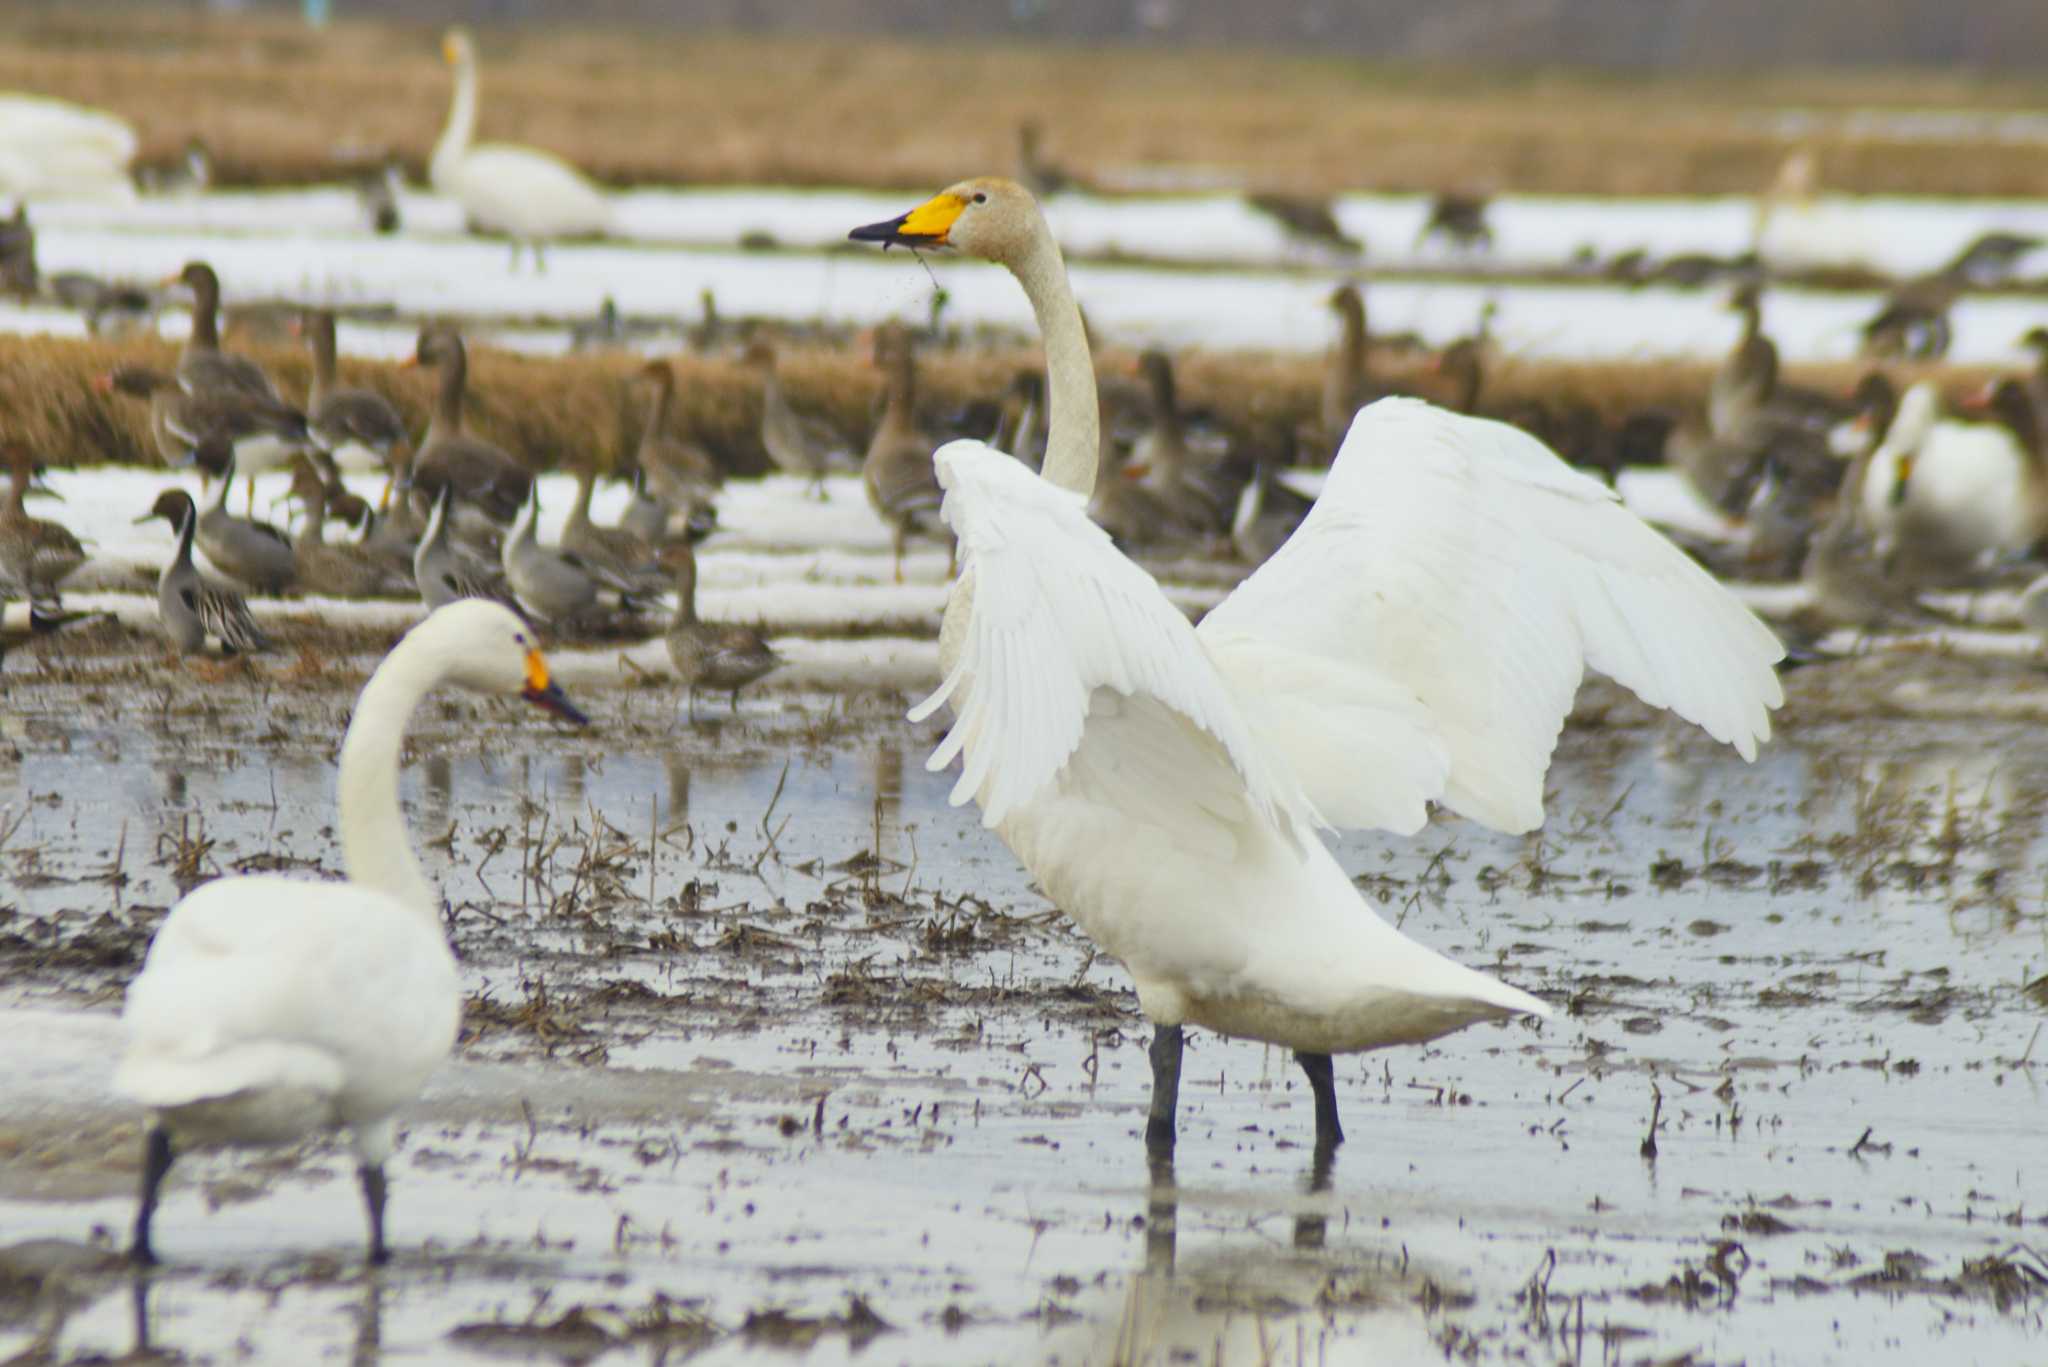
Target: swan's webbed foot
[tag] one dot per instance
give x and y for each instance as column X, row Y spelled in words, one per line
column 374, row 1192
column 156, row 1162
column 1167, row 1043
column 1322, row 1081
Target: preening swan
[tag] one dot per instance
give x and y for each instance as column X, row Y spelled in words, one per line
column 531, row 196
column 273, row 1008
column 1419, row 639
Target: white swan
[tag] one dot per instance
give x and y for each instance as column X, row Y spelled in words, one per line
column 529, row 195
column 1949, row 493
column 51, row 149
column 273, row 1008
column 1418, row 640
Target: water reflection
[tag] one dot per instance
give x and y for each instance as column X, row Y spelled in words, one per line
column 1244, row 1298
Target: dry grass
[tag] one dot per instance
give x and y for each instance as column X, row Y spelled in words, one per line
column 280, row 104
column 553, row 412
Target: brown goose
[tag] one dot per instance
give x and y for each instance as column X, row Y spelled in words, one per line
column 337, row 570
column 483, row 476
column 611, row 550
column 357, row 428
column 1747, row 393
column 205, row 428
column 1459, row 217
column 678, row 477
column 897, row 472
column 202, row 365
column 1308, row 218
column 713, row 655
column 1195, row 496
column 798, row 443
column 1346, row 386
column 35, row 555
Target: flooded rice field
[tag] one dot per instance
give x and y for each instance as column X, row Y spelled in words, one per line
column 766, row 1046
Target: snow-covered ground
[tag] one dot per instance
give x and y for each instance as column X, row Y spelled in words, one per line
column 1263, row 292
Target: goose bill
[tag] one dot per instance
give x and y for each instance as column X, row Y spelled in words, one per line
column 544, row 692
column 925, row 226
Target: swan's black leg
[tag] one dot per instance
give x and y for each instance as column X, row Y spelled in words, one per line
column 156, row 1161
column 1322, row 1080
column 1162, row 1214
column 372, row 1175
column 1167, row 1041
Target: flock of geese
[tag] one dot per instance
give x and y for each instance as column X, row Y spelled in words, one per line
column 1412, row 636
column 1416, row 641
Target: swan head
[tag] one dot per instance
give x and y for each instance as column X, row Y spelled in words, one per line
column 457, row 47
column 488, row 648
column 989, row 217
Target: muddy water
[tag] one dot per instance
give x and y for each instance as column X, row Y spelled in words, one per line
column 822, row 1071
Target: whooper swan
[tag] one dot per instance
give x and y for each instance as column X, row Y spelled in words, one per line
column 1418, row 640
column 274, row 1008
column 531, row 196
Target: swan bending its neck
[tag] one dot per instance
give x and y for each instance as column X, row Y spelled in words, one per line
column 995, row 219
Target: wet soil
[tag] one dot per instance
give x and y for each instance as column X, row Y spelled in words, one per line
column 766, row 1047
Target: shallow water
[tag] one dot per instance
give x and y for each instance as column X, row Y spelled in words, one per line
column 843, row 1051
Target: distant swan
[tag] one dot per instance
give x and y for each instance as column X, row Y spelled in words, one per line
column 530, row 196
column 273, row 1008
column 1418, row 640
column 51, row 149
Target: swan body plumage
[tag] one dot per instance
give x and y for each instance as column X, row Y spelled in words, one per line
column 52, row 149
column 1949, row 491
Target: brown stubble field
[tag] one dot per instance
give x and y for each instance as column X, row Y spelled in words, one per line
column 278, row 103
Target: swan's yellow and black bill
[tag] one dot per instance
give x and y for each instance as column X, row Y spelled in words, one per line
column 925, row 226
column 542, row 691
column 450, row 53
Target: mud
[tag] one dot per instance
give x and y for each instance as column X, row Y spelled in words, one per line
column 767, row 1048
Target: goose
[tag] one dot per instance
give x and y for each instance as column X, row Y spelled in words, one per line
column 530, row 196
column 18, row 272
column 1346, row 386
column 1460, row 218
column 443, row 574
column 613, row 551
column 1306, row 218
column 336, row 570
column 897, row 470
column 1195, row 495
column 1043, row 176
column 36, row 555
column 798, row 443
column 485, row 477
column 674, row 481
column 553, row 584
column 270, row 1009
column 1418, row 639
column 378, row 190
column 205, row 428
column 254, row 552
column 1747, row 395
column 202, row 365
column 192, row 609
column 358, row 428
column 715, row 655
column 52, row 149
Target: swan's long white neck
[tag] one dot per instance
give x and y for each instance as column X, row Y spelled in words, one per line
column 1073, row 443
column 375, row 848
column 455, row 138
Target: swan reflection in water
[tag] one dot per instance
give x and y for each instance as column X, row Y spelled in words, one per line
column 1248, row 1297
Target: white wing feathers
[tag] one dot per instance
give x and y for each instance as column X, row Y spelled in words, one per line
column 1056, row 612
column 1422, row 634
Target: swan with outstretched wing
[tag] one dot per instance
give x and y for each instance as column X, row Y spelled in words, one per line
column 1418, row 640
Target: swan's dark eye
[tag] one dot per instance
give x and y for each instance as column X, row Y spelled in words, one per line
column 981, row 196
